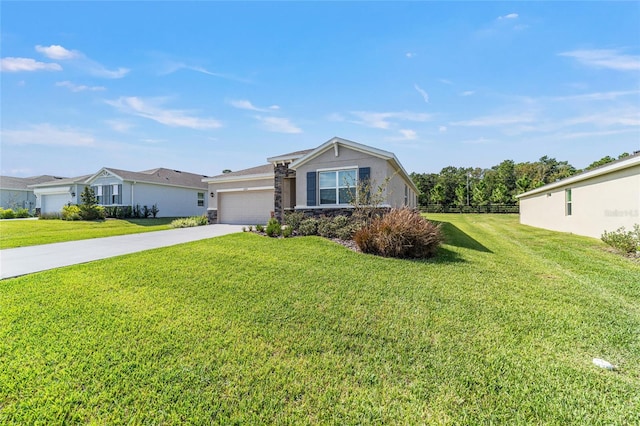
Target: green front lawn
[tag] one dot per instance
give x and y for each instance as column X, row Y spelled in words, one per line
column 501, row 328
column 21, row 233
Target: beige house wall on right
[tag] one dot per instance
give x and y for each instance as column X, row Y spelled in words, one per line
column 588, row 204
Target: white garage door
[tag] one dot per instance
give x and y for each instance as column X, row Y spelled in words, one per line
column 53, row 203
column 245, row 208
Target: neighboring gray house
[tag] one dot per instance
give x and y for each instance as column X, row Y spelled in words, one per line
column 598, row 200
column 176, row 193
column 316, row 181
column 16, row 194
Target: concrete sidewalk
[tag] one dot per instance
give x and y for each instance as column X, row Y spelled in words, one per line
column 26, row 260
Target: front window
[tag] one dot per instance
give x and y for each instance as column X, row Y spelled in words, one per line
column 337, row 187
column 567, row 197
column 200, row 199
column 108, row 194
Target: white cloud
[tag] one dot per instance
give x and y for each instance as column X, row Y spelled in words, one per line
column 424, row 94
column 49, row 135
column 578, row 135
column 477, row 141
column 119, row 125
column 605, row 58
column 445, row 81
column 467, row 93
column 410, row 55
column 245, row 104
column 172, row 67
column 80, row 60
column 79, row 87
column 442, row 129
column 278, row 124
column 495, row 120
column 151, row 109
column 57, row 52
column 10, row 64
column 616, row 117
column 509, row 16
column 408, row 134
column 598, row 96
column 381, row 120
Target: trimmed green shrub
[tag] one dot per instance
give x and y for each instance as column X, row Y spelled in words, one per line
column 8, row 214
column 623, row 240
column 274, row 229
column 326, row 228
column 287, row 231
column 22, row 213
column 402, row 233
column 293, row 220
column 71, row 212
column 308, row 226
column 154, row 210
column 189, row 222
column 92, row 212
column 50, row 216
column 259, row 228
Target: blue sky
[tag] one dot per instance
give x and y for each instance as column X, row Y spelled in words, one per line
column 206, row 86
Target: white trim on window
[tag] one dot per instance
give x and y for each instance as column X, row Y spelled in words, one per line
column 330, row 169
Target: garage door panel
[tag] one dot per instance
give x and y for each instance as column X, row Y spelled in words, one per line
column 53, row 203
column 245, row 207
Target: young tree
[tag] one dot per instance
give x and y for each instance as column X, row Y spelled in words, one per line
column 479, row 194
column 89, row 209
column 438, row 194
column 500, row 194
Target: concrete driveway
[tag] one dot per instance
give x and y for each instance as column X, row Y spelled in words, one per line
column 26, row 260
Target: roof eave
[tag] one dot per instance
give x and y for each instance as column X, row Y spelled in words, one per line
column 238, row 178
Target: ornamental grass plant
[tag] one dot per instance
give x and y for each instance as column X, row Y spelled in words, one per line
column 402, row 233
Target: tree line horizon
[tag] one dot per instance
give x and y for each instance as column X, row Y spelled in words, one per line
column 498, row 185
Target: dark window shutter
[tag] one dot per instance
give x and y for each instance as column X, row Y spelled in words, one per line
column 311, row 188
column 364, row 179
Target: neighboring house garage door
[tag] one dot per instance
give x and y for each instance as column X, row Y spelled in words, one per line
column 245, row 207
column 53, row 203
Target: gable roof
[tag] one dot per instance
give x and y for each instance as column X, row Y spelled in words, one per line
column 61, row 182
column 385, row 155
column 19, row 183
column 258, row 172
column 160, row 176
column 287, row 158
column 623, row 163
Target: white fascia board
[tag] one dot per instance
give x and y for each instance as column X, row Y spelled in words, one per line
column 606, row 169
column 284, row 158
column 251, row 188
column 239, row 178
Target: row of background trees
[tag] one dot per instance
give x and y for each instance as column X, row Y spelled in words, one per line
column 499, row 185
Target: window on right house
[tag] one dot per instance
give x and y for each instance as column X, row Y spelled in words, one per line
column 567, row 199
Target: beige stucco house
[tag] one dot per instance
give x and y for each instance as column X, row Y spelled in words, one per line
column 598, row 200
column 318, row 181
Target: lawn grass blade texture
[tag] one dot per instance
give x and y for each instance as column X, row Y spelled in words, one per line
column 501, row 327
column 21, row 233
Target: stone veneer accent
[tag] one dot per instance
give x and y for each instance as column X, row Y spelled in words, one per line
column 335, row 211
column 212, row 216
column 280, row 172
